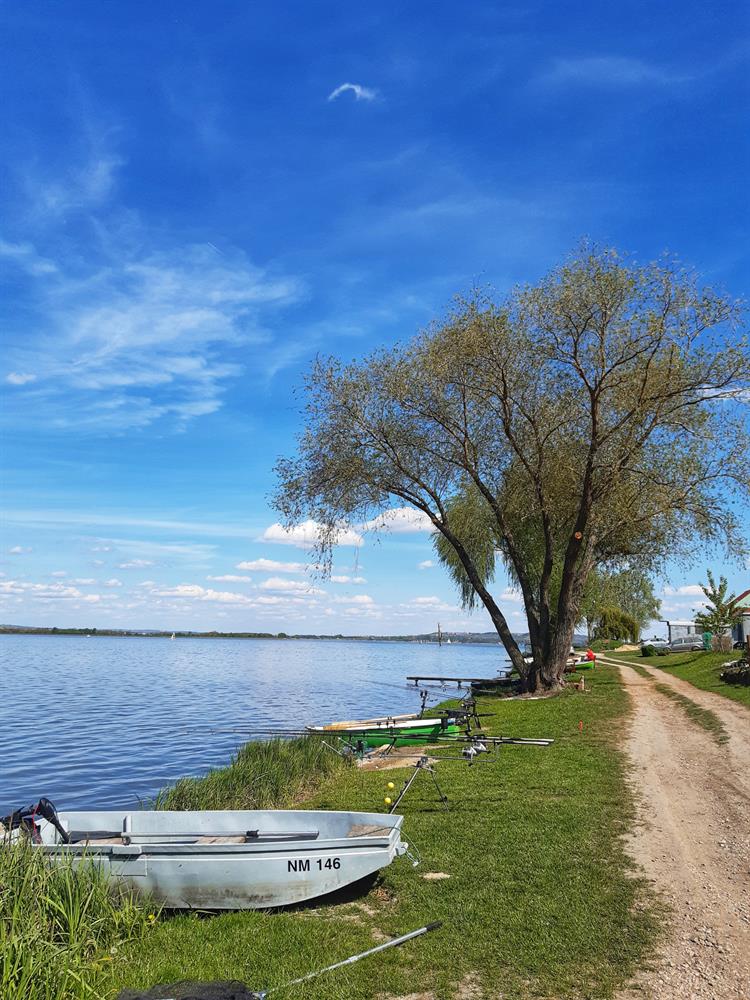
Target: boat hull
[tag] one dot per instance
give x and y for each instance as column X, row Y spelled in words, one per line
column 206, row 868
column 400, row 734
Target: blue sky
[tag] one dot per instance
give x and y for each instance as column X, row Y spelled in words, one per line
column 197, row 198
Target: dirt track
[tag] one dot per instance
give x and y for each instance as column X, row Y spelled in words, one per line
column 693, row 840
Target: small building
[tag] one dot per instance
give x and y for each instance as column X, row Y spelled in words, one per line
column 676, row 630
column 741, row 631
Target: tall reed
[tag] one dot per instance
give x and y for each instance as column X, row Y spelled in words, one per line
column 266, row 775
column 60, row 926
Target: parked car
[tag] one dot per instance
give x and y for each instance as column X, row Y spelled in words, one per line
column 656, row 643
column 685, row 643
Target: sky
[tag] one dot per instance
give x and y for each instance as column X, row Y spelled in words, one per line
column 197, row 198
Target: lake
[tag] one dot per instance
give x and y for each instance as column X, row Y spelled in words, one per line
column 108, row 721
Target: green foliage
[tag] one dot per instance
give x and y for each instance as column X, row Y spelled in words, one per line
column 614, row 623
column 604, row 645
column 60, row 927
column 629, row 589
column 723, row 611
column 594, row 419
column 271, row 774
column 648, row 650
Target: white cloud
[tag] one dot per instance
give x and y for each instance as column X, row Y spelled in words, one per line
column 611, row 71
column 362, row 599
column 193, row 592
column 20, row 378
column 59, row 572
column 360, row 93
column 114, row 582
column 307, row 535
column 272, row 566
column 688, row 590
column 84, row 581
column 289, row 586
column 511, row 595
column 426, row 564
column 348, row 579
column 135, row 564
column 41, row 591
column 229, row 578
column 143, row 337
column 400, row 520
column 19, row 550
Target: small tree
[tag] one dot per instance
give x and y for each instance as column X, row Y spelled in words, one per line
column 591, row 420
column 614, row 623
column 722, row 613
column 630, row 590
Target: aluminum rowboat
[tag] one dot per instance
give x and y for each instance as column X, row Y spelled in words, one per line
column 229, row 859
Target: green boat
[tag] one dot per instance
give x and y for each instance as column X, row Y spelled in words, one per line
column 398, row 730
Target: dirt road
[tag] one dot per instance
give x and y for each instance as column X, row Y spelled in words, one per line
column 693, row 840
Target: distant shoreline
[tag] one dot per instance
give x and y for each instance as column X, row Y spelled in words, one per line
column 448, row 638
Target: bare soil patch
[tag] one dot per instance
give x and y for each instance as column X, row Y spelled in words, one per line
column 693, row 839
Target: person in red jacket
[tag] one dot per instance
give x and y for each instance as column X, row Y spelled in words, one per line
column 591, row 656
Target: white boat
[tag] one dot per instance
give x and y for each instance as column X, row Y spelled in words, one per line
column 229, row 859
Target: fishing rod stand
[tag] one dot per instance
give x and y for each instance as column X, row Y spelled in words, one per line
column 423, row 764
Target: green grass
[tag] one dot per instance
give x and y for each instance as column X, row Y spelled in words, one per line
column 702, row 717
column 269, row 775
column 541, row 901
column 60, row 928
column 699, row 669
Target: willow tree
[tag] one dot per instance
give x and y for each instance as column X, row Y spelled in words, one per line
column 597, row 417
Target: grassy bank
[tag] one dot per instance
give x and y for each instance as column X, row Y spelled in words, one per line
column 60, row 929
column 540, row 900
column 699, row 669
column 270, row 775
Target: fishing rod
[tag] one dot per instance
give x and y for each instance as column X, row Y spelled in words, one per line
column 393, row 943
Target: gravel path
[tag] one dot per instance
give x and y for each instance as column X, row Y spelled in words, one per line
column 693, row 840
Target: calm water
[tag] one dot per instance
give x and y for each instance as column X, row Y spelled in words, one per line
column 109, row 721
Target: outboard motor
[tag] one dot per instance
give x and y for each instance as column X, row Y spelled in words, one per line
column 25, row 820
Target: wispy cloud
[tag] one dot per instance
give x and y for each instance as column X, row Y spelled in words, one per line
column 24, row 255
column 426, row 564
column 277, row 583
column 146, row 338
column 400, row 520
column 20, row 378
column 272, row 566
column 307, row 535
column 360, row 93
column 607, row 71
column 135, row 564
column 230, row 578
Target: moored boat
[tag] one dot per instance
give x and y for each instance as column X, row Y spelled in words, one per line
column 396, row 730
column 227, row 859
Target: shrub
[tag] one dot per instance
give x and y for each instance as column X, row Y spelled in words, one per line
column 648, row 650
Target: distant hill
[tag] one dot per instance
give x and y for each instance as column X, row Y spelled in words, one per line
column 447, row 638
